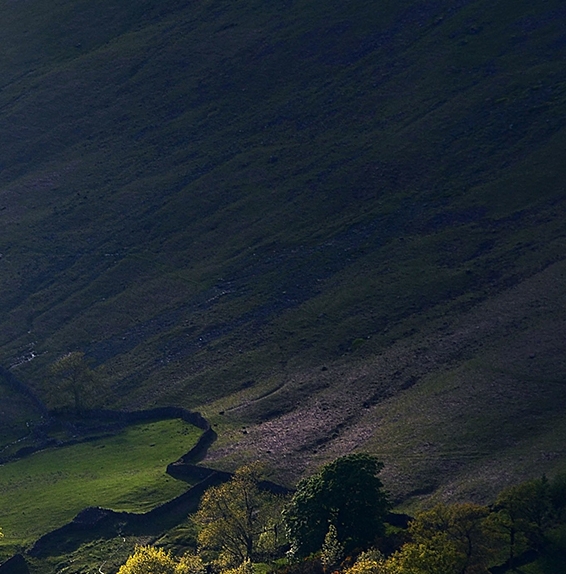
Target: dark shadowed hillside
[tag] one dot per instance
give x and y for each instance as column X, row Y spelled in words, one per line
column 328, row 226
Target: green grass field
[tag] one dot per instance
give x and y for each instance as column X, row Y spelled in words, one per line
column 125, row 472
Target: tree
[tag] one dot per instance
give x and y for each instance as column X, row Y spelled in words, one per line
column 447, row 539
column 371, row 562
column 332, row 551
column 522, row 514
column 346, row 493
column 190, row 564
column 74, row 376
column 246, row 567
column 151, row 560
column 434, row 556
column 237, row 520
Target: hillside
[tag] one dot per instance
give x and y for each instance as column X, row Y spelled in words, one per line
column 326, row 226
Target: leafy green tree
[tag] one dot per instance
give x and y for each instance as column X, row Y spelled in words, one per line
column 346, row 493
column 332, row 551
column 190, row 564
column 370, row 562
column 450, row 538
column 246, row 567
column 237, row 520
column 435, row 555
column 151, row 560
column 74, row 377
column 521, row 516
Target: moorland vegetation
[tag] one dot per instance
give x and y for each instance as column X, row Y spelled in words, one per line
column 341, row 226
column 330, row 227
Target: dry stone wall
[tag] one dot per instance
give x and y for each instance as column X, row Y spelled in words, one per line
column 102, row 522
column 96, row 522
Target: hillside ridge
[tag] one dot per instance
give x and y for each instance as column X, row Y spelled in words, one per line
column 341, row 227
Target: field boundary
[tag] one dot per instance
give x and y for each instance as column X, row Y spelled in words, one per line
column 121, row 419
column 106, row 523
column 97, row 521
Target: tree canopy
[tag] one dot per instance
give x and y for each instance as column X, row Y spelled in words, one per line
column 74, row 377
column 523, row 513
column 446, row 540
column 346, row 493
column 237, row 520
column 152, row 560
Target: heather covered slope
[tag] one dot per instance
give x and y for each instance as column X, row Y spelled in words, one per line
column 334, row 215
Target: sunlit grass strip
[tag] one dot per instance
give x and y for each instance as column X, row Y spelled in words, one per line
column 125, row 472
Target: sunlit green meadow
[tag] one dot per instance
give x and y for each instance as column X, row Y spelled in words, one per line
column 125, row 472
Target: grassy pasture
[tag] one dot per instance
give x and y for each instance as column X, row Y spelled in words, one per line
column 125, row 472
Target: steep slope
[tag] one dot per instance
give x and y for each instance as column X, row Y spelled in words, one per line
column 466, row 404
column 216, row 201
